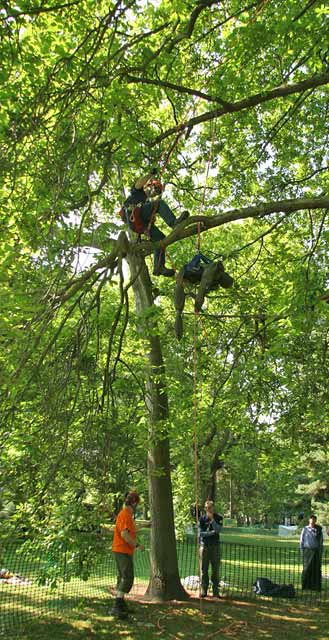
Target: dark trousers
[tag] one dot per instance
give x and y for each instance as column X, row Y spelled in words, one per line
column 210, row 555
column 311, row 576
column 156, row 235
column 125, row 571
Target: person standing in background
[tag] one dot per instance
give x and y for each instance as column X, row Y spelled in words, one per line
column 311, row 545
column 210, row 525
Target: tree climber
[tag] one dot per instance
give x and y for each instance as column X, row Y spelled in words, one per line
column 139, row 211
column 209, row 274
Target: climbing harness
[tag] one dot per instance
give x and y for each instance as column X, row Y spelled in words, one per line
column 131, row 215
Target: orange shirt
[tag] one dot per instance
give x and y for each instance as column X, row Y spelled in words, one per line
column 124, row 521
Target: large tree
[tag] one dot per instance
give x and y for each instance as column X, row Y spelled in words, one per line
column 231, row 102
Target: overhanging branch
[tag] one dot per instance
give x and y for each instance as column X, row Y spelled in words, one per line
column 252, row 101
column 190, row 226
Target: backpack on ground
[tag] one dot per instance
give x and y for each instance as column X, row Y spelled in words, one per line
column 265, row 587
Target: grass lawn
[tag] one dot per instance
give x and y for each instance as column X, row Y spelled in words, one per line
column 261, row 620
column 79, row 609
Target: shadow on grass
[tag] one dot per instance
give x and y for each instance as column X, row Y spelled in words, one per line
column 90, row 619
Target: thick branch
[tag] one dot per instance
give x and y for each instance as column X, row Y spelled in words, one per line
column 190, row 227
column 278, row 92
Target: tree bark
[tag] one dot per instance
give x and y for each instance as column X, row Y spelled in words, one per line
column 210, row 484
column 213, row 461
column 164, row 582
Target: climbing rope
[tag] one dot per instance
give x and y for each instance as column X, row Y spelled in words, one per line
column 152, row 218
column 196, row 447
column 170, row 151
column 195, row 380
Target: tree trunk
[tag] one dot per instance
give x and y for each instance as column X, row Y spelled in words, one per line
column 209, row 490
column 214, row 461
column 164, row 580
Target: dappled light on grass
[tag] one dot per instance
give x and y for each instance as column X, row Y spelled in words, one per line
column 185, row 621
column 241, row 564
column 254, row 564
column 277, row 616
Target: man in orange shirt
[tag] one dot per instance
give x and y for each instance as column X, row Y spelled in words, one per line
column 123, row 547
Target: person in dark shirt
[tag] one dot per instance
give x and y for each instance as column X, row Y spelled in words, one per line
column 139, row 211
column 200, row 270
column 210, row 525
column 311, row 544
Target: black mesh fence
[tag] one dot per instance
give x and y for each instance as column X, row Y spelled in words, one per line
column 35, row 582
